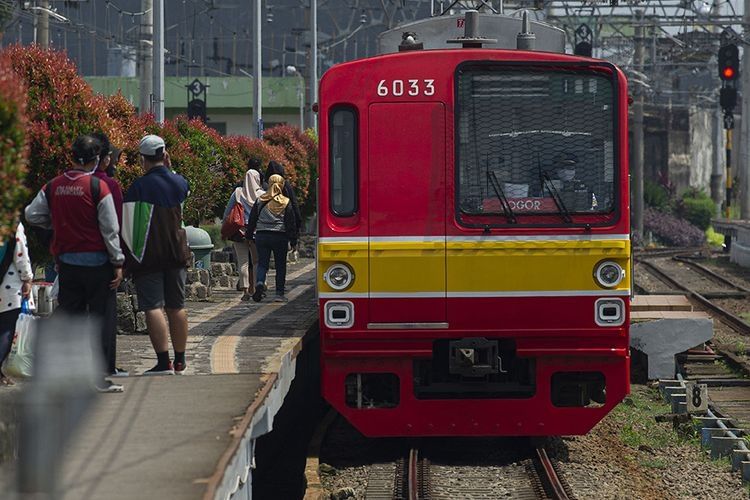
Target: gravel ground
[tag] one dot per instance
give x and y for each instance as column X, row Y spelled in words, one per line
column 628, row 455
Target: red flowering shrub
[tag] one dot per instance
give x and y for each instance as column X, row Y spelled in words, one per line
column 60, row 107
column 13, row 150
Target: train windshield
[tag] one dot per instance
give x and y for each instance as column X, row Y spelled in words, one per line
column 535, row 141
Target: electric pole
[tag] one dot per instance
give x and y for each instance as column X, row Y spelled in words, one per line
column 257, row 61
column 314, row 66
column 146, row 56
column 744, row 166
column 44, row 24
column 159, row 61
column 637, row 160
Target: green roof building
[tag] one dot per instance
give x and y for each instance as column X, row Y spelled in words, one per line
column 228, row 99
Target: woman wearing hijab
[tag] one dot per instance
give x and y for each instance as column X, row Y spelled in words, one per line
column 15, row 287
column 273, row 224
column 288, row 191
column 244, row 249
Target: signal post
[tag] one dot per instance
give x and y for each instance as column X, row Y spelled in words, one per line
column 729, row 71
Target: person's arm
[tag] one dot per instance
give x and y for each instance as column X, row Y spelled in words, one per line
column 23, row 262
column 37, row 213
column 110, row 230
column 116, row 191
column 291, row 225
column 289, row 193
column 230, row 204
column 252, row 223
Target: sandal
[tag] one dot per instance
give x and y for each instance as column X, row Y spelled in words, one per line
column 6, row 381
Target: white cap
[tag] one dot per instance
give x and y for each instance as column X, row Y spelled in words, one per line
column 151, row 145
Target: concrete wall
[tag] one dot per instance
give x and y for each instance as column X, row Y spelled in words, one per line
column 702, row 142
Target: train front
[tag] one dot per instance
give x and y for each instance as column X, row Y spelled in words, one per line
column 474, row 252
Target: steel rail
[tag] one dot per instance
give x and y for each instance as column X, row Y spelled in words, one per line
column 412, row 474
column 710, row 273
column 553, row 480
column 730, row 319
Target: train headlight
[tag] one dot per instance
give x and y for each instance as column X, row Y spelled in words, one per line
column 609, row 274
column 339, row 277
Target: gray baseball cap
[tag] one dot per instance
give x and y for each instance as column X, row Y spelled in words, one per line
column 151, row 145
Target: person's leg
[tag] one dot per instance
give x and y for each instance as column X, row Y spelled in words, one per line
column 174, row 299
column 71, row 298
column 102, row 304
column 280, row 247
column 241, row 253
column 150, row 290
column 253, row 268
column 7, row 330
column 263, row 243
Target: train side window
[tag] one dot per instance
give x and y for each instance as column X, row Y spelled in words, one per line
column 344, row 135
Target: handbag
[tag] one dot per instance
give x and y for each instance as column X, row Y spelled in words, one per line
column 20, row 360
column 234, row 225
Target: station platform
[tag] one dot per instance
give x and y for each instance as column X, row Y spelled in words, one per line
column 737, row 235
column 193, row 436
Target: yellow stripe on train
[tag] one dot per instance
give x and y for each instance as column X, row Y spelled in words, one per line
column 473, row 266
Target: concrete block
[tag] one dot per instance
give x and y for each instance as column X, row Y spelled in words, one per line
column 739, row 456
column 708, row 422
column 723, row 446
column 679, row 404
column 708, row 434
column 661, row 340
column 739, row 252
column 745, row 472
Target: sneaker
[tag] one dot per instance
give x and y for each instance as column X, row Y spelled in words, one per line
column 179, row 368
column 107, row 386
column 119, row 372
column 280, row 298
column 156, row 370
column 245, row 297
column 260, row 292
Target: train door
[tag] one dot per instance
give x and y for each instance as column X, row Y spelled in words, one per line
column 406, row 193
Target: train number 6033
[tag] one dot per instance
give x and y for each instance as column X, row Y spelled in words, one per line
column 409, row 87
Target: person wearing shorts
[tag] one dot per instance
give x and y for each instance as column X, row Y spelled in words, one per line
column 157, row 253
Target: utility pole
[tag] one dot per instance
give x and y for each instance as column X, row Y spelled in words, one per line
column 314, row 72
column 159, row 61
column 146, row 56
column 744, row 166
column 637, row 160
column 257, row 61
column 44, row 24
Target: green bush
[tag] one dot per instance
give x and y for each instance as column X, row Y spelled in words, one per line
column 655, row 195
column 13, row 150
column 696, row 207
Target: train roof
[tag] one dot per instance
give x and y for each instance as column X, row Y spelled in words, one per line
column 434, row 32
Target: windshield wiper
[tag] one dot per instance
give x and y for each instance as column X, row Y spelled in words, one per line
column 564, row 213
column 492, row 178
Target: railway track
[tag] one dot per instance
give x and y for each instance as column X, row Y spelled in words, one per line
column 417, row 477
column 723, row 289
column 722, row 370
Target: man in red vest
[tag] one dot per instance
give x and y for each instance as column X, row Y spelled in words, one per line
column 78, row 207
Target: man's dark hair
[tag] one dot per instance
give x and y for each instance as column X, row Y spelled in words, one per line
column 104, row 140
column 86, row 148
column 254, row 164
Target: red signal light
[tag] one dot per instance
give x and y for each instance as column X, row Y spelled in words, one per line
column 728, row 73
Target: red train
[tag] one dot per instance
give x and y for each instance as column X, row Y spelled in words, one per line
column 474, row 250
